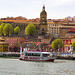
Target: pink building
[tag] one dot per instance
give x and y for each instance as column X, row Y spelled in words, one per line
column 14, row 41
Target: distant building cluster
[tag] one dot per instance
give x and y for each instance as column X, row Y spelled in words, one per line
column 57, row 28
column 14, row 18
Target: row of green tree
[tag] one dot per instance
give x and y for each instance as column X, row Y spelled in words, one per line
column 7, row 29
column 57, row 44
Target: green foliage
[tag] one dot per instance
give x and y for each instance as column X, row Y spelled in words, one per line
column 1, row 28
column 73, row 44
column 57, row 43
column 8, row 29
column 16, row 30
column 30, row 29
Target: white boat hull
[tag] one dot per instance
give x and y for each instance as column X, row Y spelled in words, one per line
column 32, row 58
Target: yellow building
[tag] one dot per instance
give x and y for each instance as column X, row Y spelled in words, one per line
column 3, row 47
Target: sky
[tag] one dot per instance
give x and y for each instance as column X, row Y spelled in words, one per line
column 56, row 9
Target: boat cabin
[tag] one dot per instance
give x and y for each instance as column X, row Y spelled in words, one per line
column 37, row 54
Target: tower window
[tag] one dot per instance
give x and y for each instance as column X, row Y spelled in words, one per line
column 43, row 18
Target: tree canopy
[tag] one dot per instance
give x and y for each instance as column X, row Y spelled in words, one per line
column 73, row 44
column 8, row 29
column 57, row 43
column 30, row 29
column 16, row 30
column 1, row 28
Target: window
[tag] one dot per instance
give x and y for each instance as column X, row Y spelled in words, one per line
column 32, row 54
column 0, row 46
column 45, row 55
column 65, row 42
column 43, row 18
column 69, row 42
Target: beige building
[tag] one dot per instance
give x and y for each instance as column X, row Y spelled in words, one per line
column 59, row 29
column 53, row 28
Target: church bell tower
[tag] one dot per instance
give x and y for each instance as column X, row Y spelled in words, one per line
column 43, row 21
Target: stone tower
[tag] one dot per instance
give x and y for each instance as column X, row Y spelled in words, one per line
column 43, row 21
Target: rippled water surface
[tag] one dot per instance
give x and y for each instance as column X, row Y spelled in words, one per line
column 17, row 67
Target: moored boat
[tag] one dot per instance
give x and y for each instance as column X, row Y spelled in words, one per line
column 35, row 55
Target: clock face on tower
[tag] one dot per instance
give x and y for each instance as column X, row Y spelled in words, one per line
column 43, row 18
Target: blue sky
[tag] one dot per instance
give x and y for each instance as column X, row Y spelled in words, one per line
column 31, row 8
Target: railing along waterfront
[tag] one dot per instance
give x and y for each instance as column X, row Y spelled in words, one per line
column 57, row 54
column 9, row 52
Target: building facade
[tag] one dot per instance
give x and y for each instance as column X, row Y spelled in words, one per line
column 53, row 28
column 4, row 47
column 14, row 42
column 66, row 43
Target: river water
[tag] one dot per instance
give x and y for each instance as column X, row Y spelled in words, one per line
column 17, row 67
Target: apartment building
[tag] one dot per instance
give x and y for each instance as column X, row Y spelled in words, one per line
column 53, row 28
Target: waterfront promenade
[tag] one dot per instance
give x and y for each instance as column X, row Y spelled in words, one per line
column 58, row 55
column 69, row 56
column 9, row 54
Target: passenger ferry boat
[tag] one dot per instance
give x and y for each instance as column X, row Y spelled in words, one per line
column 36, row 55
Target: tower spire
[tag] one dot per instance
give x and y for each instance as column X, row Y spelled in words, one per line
column 43, row 7
column 43, row 4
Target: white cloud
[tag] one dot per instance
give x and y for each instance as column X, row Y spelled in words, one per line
column 59, row 2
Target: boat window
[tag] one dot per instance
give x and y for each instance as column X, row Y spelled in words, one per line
column 32, row 54
column 45, row 55
column 26, row 54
